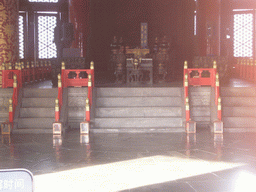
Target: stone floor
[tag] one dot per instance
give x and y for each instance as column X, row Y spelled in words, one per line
column 134, row 162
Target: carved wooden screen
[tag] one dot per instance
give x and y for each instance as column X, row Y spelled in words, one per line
column 46, row 47
column 243, row 33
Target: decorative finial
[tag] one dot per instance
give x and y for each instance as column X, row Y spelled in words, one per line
column 10, row 105
column 185, row 64
column 62, row 65
column 57, row 108
column 92, row 65
column 59, row 80
column 214, row 64
column 89, row 80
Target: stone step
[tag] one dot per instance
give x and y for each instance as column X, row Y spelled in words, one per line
column 200, row 98
column 76, row 101
column 77, row 92
column 37, row 112
column 6, row 91
column 38, row 102
column 139, row 101
column 139, row 112
column 139, row 130
column 154, row 122
column 239, row 122
column 238, row 111
column 238, row 91
column 201, row 120
column 197, row 111
column 238, row 101
column 32, row 131
column 200, row 89
column 45, row 123
column 240, row 130
column 34, row 92
column 139, row 92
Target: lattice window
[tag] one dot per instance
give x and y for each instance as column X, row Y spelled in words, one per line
column 45, row 1
column 243, row 35
column 21, row 37
column 46, row 47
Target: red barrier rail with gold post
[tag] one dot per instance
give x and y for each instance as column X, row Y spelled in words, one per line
column 245, row 68
column 78, row 78
column 24, row 73
column 75, row 78
column 13, row 102
column 201, row 77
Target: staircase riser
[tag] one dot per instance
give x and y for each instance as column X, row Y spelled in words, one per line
column 76, row 112
column 238, row 92
column 38, row 102
column 139, row 102
column 138, row 92
column 36, row 123
column 200, row 111
column 139, row 112
column 76, row 101
column 32, row 131
column 78, row 92
column 138, row 122
column 239, row 112
column 202, row 99
column 239, row 122
column 37, row 112
column 30, row 93
column 239, row 101
column 204, row 120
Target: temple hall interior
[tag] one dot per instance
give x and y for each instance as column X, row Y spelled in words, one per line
column 128, row 95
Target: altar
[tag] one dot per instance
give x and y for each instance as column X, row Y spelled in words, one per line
column 135, row 65
column 142, row 72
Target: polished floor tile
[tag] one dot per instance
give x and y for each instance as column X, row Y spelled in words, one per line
column 161, row 161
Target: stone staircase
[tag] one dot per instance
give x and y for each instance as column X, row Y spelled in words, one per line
column 200, row 106
column 76, row 106
column 239, row 109
column 36, row 111
column 139, row 110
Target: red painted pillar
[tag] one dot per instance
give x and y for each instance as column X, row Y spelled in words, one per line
column 208, row 27
column 79, row 12
column 9, row 41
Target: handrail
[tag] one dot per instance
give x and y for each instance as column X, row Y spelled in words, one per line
column 58, row 101
column 245, row 68
column 24, row 74
column 199, row 80
column 77, row 78
column 13, row 102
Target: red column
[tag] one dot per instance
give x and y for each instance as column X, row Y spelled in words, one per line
column 208, row 27
column 79, row 11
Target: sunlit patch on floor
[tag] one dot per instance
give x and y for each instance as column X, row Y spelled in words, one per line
column 128, row 174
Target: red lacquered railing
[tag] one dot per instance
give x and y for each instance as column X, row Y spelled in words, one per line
column 24, row 74
column 13, row 102
column 245, row 68
column 201, row 77
column 79, row 78
column 15, row 76
column 75, row 78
